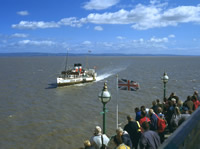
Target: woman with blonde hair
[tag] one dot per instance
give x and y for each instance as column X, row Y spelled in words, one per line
column 175, row 118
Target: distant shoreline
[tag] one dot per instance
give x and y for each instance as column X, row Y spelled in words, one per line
column 84, row 54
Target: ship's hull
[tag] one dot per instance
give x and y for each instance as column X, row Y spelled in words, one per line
column 68, row 81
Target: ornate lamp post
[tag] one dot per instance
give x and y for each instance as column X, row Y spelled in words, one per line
column 104, row 97
column 165, row 79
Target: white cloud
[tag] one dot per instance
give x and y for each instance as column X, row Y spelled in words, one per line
column 87, row 42
column 98, row 28
column 140, row 18
column 194, row 39
column 19, row 35
column 171, row 36
column 120, row 37
column 145, row 17
column 141, row 41
column 72, row 21
column 35, row 25
column 158, row 40
column 119, row 17
column 36, row 43
column 99, row 4
column 23, row 13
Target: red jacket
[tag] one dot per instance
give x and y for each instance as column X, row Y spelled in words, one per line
column 144, row 119
column 196, row 104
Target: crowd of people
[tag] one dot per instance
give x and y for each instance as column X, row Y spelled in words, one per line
column 144, row 131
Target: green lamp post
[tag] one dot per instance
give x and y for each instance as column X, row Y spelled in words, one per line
column 165, row 79
column 104, row 97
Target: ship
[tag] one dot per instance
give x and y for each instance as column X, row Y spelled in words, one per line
column 76, row 75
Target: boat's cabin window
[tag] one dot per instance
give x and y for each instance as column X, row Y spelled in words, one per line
column 70, row 76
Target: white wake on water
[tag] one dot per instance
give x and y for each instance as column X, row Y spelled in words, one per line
column 109, row 73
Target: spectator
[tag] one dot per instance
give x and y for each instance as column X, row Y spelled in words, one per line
column 122, row 137
column 162, row 116
column 173, row 95
column 154, row 120
column 137, row 113
column 160, row 113
column 134, row 130
column 175, row 119
column 149, row 139
column 143, row 108
column 188, row 103
column 144, row 118
column 196, row 102
column 159, row 103
column 98, row 136
column 154, row 107
column 88, row 145
column 197, row 95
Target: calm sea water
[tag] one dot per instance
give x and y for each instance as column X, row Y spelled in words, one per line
column 34, row 114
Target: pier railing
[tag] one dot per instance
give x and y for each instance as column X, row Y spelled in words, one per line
column 187, row 135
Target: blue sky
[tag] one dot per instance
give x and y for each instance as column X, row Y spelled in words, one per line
column 102, row 26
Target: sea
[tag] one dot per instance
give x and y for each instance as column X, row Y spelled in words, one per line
column 36, row 114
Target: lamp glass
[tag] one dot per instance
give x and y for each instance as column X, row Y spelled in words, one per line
column 165, row 78
column 104, row 96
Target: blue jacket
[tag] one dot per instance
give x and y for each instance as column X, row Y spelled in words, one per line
column 138, row 116
column 149, row 140
column 154, row 122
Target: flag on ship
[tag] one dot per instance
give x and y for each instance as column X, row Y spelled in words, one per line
column 129, row 85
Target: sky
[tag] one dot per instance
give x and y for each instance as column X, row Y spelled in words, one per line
column 100, row 26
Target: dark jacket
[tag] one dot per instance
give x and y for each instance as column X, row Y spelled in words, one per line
column 132, row 129
column 149, row 140
column 189, row 104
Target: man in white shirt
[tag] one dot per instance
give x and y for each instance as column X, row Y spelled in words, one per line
column 96, row 140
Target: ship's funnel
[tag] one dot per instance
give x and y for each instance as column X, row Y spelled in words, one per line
column 76, row 67
column 79, row 67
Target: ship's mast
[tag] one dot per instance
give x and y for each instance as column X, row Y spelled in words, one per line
column 66, row 62
column 89, row 51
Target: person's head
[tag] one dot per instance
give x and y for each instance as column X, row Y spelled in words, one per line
column 129, row 118
column 195, row 92
column 97, row 130
column 173, row 94
column 142, row 108
column 145, row 125
column 119, row 131
column 189, row 98
column 160, row 110
column 151, row 112
column 158, row 101
column 180, row 103
column 173, row 101
column 137, row 109
column 154, row 103
column 87, row 143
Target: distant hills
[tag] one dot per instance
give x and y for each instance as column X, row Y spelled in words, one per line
column 83, row 54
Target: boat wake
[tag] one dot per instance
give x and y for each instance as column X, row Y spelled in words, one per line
column 108, row 74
